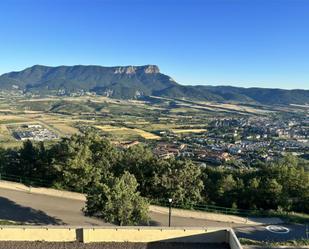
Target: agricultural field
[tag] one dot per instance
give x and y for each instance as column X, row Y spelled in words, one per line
column 120, row 120
column 178, row 131
column 127, row 131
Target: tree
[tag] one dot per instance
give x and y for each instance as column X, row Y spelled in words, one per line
column 225, row 190
column 83, row 160
column 28, row 156
column 140, row 161
column 72, row 158
column 179, row 180
column 118, row 201
column 2, row 160
column 104, row 156
column 252, row 193
column 271, row 191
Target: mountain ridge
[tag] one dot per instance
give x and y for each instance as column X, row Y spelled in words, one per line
column 135, row 82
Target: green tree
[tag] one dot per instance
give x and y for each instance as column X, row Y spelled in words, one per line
column 225, row 190
column 271, row 191
column 252, row 195
column 118, row 201
column 2, row 160
column 28, row 160
column 83, row 160
column 140, row 161
column 179, row 180
column 72, row 162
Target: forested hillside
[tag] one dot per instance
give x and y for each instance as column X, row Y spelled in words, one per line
column 136, row 82
column 111, row 176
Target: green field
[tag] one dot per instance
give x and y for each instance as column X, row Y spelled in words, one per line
column 117, row 119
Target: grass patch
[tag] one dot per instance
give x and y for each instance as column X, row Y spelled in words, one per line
column 9, row 222
column 270, row 244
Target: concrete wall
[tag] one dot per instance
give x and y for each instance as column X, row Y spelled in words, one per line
column 151, row 234
column 233, row 240
column 50, row 234
column 120, row 234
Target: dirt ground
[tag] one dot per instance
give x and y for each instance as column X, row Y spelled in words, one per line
column 77, row 245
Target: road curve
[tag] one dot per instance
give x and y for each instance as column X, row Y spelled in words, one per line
column 39, row 209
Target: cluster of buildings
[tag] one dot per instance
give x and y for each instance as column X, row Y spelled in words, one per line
column 243, row 140
column 35, row 132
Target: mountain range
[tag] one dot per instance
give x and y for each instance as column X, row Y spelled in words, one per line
column 137, row 82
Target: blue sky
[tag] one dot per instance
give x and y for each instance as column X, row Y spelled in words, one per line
column 230, row 42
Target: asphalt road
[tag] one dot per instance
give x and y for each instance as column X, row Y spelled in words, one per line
column 280, row 232
column 48, row 210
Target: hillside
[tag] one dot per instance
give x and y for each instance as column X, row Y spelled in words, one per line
column 132, row 82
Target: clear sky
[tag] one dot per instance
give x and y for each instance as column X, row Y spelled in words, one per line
column 231, row 42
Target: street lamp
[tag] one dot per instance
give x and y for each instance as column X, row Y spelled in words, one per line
column 170, row 211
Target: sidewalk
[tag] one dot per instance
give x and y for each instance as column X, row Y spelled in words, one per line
column 215, row 216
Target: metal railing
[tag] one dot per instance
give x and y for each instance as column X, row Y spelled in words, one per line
column 213, row 208
column 36, row 182
column 30, row 181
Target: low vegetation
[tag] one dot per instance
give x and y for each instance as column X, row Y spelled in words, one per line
column 9, row 222
column 270, row 244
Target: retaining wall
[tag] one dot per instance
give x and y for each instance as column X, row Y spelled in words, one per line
column 151, row 234
column 120, row 234
column 50, row 234
column 233, row 240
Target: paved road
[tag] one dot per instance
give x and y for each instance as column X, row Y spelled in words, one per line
column 48, row 210
column 276, row 233
column 42, row 209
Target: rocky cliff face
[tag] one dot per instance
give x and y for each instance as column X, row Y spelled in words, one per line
column 149, row 69
column 152, row 69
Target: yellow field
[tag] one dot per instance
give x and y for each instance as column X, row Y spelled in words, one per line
column 177, row 131
column 146, row 135
column 235, row 107
column 65, row 128
column 184, row 110
column 142, row 133
column 12, row 119
column 60, row 125
column 4, row 130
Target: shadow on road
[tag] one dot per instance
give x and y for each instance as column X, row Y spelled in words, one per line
column 154, row 223
column 10, row 210
column 186, row 245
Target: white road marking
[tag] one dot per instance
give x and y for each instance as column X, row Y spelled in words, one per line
column 278, row 229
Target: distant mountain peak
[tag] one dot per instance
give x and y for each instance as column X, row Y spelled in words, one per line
column 152, row 69
column 125, row 70
column 148, row 69
column 135, row 82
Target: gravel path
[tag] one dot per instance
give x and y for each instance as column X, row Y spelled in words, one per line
column 76, row 245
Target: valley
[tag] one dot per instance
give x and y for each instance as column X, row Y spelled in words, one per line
column 212, row 133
